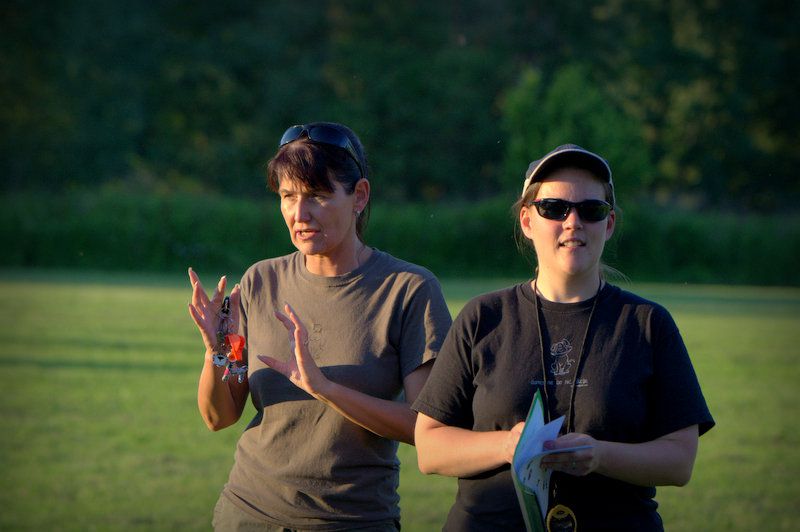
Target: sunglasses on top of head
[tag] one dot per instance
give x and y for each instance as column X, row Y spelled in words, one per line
column 592, row 210
column 324, row 135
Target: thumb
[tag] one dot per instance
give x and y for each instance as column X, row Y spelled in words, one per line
column 274, row 363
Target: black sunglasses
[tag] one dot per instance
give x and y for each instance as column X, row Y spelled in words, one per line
column 592, row 210
column 324, row 135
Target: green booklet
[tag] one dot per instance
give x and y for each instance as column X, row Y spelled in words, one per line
column 531, row 482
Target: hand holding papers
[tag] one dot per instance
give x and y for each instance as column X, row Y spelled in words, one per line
column 531, row 482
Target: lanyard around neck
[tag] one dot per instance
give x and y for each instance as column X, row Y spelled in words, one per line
column 581, row 355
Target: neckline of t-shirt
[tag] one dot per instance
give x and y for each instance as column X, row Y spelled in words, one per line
column 337, row 280
column 528, row 294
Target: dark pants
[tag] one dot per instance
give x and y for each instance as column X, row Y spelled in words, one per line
column 230, row 518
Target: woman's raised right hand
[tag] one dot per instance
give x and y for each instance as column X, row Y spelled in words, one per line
column 206, row 312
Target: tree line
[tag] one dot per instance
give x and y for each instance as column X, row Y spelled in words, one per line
column 692, row 101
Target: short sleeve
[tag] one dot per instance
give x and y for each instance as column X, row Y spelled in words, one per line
column 675, row 395
column 448, row 392
column 426, row 321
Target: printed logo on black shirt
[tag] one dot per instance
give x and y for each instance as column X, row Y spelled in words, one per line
column 559, row 353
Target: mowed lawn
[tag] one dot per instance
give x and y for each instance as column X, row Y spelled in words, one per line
column 99, row 427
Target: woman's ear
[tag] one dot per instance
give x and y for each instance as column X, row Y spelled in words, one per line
column 611, row 223
column 525, row 220
column 361, row 193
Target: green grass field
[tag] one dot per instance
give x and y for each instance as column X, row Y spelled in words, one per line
column 100, row 429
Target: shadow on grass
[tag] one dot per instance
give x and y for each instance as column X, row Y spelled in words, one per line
column 70, row 362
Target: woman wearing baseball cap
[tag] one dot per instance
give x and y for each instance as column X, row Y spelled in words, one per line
column 612, row 363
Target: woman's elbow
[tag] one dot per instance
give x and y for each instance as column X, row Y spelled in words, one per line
column 682, row 476
column 423, row 468
column 680, row 472
column 213, row 425
column 430, row 459
column 684, row 453
column 424, row 464
column 216, row 423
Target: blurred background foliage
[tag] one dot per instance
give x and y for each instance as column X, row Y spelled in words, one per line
column 693, row 102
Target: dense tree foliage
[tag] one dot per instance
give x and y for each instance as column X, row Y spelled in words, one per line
column 690, row 100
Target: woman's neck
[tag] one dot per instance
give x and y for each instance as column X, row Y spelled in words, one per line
column 344, row 262
column 570, row 290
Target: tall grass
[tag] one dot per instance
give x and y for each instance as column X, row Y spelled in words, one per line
column 167, row 232
column 99, row 428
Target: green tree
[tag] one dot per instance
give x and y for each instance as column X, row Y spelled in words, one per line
column 713, row 85
column 181, row 94
column 422, row 93
column 540, row 115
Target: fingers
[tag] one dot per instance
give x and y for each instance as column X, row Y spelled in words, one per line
column 236, row 296
column 284, row 319
column 197, row 305
column 578, row 457
column 298, row 336
column 566, row 462
column 274, row 363
column 573, row 439
column 200, row 299
column 196, row 316
column 295, row 328
column 197, row 288
column 200, row 321
column 301, row 368
column 205, row 311
column 219, row 292
column 511, row 441
column 300, row 333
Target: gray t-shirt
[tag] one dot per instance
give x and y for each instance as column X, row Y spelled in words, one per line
column 299, row 463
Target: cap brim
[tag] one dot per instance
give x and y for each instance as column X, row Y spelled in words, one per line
column 576, row 157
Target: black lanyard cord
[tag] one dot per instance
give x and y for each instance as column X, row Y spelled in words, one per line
column 581, row 356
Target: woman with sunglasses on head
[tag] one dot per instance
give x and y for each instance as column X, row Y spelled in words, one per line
column 612, row 363
column 337, row 336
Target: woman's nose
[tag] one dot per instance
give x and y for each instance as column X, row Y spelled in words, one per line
column 301, row 210
column 573, row 219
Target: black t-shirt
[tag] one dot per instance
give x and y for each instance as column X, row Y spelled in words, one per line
column 636, row 383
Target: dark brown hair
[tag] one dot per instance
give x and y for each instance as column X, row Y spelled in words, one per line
column 317, row 165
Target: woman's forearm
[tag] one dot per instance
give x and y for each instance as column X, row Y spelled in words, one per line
column 458, row 452
column 666, row 461
column 220, row 403
column 391, row 419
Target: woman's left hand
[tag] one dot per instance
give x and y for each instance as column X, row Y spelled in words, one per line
column 578, row 463
column 300, row 369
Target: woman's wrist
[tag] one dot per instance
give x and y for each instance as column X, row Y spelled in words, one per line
column 210, row 354
column 325, row 391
